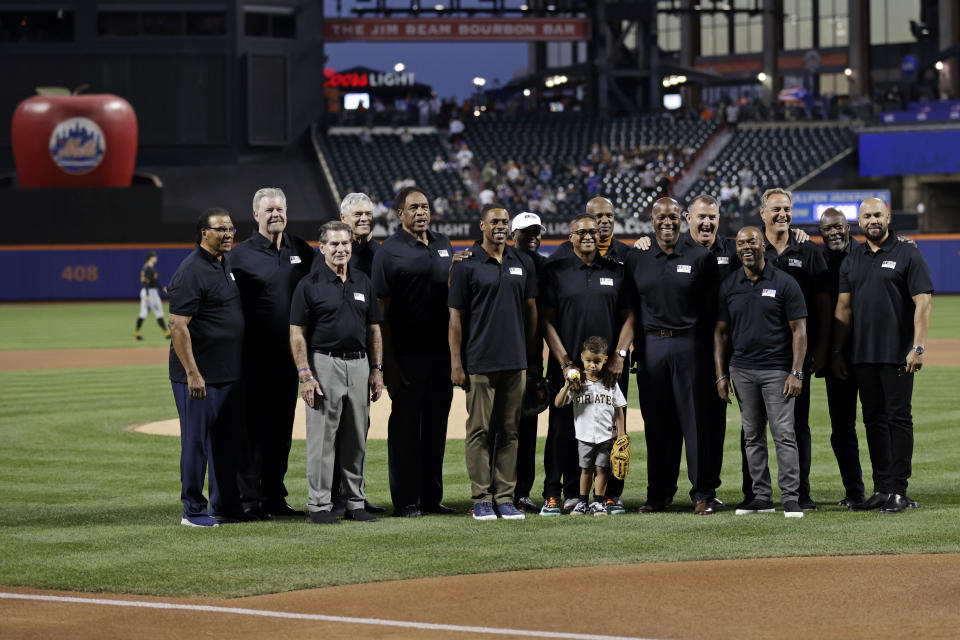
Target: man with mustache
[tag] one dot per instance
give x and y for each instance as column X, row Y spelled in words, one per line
column 268, row 266
column 493, row 319
column 674, row 290
column 885, row 298
column 206, row 327
column 842, row 393
column 805, row 263
column 336, row 345
column 410, row 272
column 581, row 296
column 762, row 315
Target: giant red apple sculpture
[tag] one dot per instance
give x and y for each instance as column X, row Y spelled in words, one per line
column 75, row 141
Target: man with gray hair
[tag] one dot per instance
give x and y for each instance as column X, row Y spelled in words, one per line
column 268, row 266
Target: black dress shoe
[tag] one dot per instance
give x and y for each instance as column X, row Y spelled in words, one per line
column 807, row 504
column 282, row 510
column 911, row 504
column 236, row 518
column 717, row 503
column 438, row 508
column 876, row 501
column 896, row 503
column 850, row 501
column 322, row 517
column 256, row 514
column 409, row 511
column 372, row 508
column 359, row 515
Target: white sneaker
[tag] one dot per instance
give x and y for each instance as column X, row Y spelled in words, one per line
column 570, row 503
column 597, row 509
column 581, row 509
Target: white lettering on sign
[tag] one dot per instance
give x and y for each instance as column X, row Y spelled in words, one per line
column 795, row 262
column 359, row 296
column 723, row 259
column 516, row 271
column 769, row 293
column 443, row 253
column 684, row 268
column 888, row 264
column 294, row 259
column 606, row 282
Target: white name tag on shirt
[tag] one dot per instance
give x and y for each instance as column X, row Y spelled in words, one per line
column 723, row 259
column 606, row 282
column 443, row 253
column 684, row 268
column 231, row 277
column 516, row 271
column 294, row 259
column 359, row 296
column 888, row 264
column 769, row 293
column 794, row 262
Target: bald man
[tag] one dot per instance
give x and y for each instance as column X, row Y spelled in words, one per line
column 607, row 246
column 674, row 286
column 885, row 298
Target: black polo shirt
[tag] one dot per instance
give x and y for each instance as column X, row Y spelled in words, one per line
column 805, row 263
column 881, row 285
column 492, row 297
column 204, row 289
column 335, row 312
column 672, row 291
column 362, row 256
column 617, row 252
column 725, row 252
column 266, row 278
column 414, row 278
column 834, row 259
column 589, row 300
column 759, row 313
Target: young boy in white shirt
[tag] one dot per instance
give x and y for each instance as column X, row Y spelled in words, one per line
column 598, row 419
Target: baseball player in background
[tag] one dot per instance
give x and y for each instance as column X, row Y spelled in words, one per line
column 150, row 296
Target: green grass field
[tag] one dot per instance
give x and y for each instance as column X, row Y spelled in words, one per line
column 89, row 506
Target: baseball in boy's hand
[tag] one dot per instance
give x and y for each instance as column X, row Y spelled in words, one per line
column 573, row 375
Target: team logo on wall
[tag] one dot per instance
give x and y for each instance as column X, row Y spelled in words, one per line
column 77, row 145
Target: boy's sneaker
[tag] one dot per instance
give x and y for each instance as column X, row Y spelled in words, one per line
column 614, row 507
column 570, row 503
column 792, row 509
column 484, row 511
column 526, row 504
column 510, row 512
column 754, row 506
column 582, row 509
column 199, row 521
column 551, row 507
column 597, row 509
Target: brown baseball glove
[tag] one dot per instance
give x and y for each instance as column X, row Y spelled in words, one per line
column 620, row 457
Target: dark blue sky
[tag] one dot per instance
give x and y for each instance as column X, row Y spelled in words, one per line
column 448, row 67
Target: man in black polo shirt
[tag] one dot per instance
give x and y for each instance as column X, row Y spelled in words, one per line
column 674, row 285
column 268, row 266
column 762, row 313
column 410, row 271
column 356, row 209
column 885, row 298
column 206, row 325
column 493, row 318
column 581, row 295
column 805, row 263
column 526, row 229
column 841, row 394
column 607, row 246
column 333, row 314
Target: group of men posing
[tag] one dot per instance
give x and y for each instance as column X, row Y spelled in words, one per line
column 690, row 310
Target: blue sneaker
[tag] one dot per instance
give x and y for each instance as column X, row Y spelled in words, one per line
column 551, row 507
column 484, row 511
column 614, row 507
column 199, row 521
column 510, row 512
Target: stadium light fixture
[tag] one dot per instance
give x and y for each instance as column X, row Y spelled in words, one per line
column 399, row 67
column 848, row 72
column 939, row 65
column 524, row 7
column 526, row 93
column 479, row 82
column 762, row 77
column 438, row 7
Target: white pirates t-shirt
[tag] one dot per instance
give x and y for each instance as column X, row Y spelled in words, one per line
column 594, row 411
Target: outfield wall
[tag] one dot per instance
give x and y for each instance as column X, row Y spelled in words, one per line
column 103, row 272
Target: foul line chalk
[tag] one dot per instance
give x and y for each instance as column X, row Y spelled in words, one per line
column 428, row 626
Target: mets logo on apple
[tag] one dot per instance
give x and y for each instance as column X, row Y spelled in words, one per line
column 77, row 145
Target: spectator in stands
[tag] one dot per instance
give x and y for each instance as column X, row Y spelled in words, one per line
column 733, row 114
column 405, row 136
column 456, row 130
column 464, row 156
column 441, row 207
column 745, row 177
column 648, row 179
column 486, row 196
column 729, row 198
column 489, row 172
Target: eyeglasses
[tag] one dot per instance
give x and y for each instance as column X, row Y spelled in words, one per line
column 580, row 233
column 230, row 230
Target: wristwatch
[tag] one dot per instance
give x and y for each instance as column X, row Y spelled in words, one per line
column 798, row 374
column 622, row 353
column 919, row 349
column 378, row 367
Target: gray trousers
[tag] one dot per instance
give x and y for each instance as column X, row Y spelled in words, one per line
column 339, row 422
column 760, row 394
column 493, row 404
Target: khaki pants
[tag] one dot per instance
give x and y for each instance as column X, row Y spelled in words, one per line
column 493, row 404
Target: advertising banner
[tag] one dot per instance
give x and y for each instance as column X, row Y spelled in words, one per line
column 455, row 29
